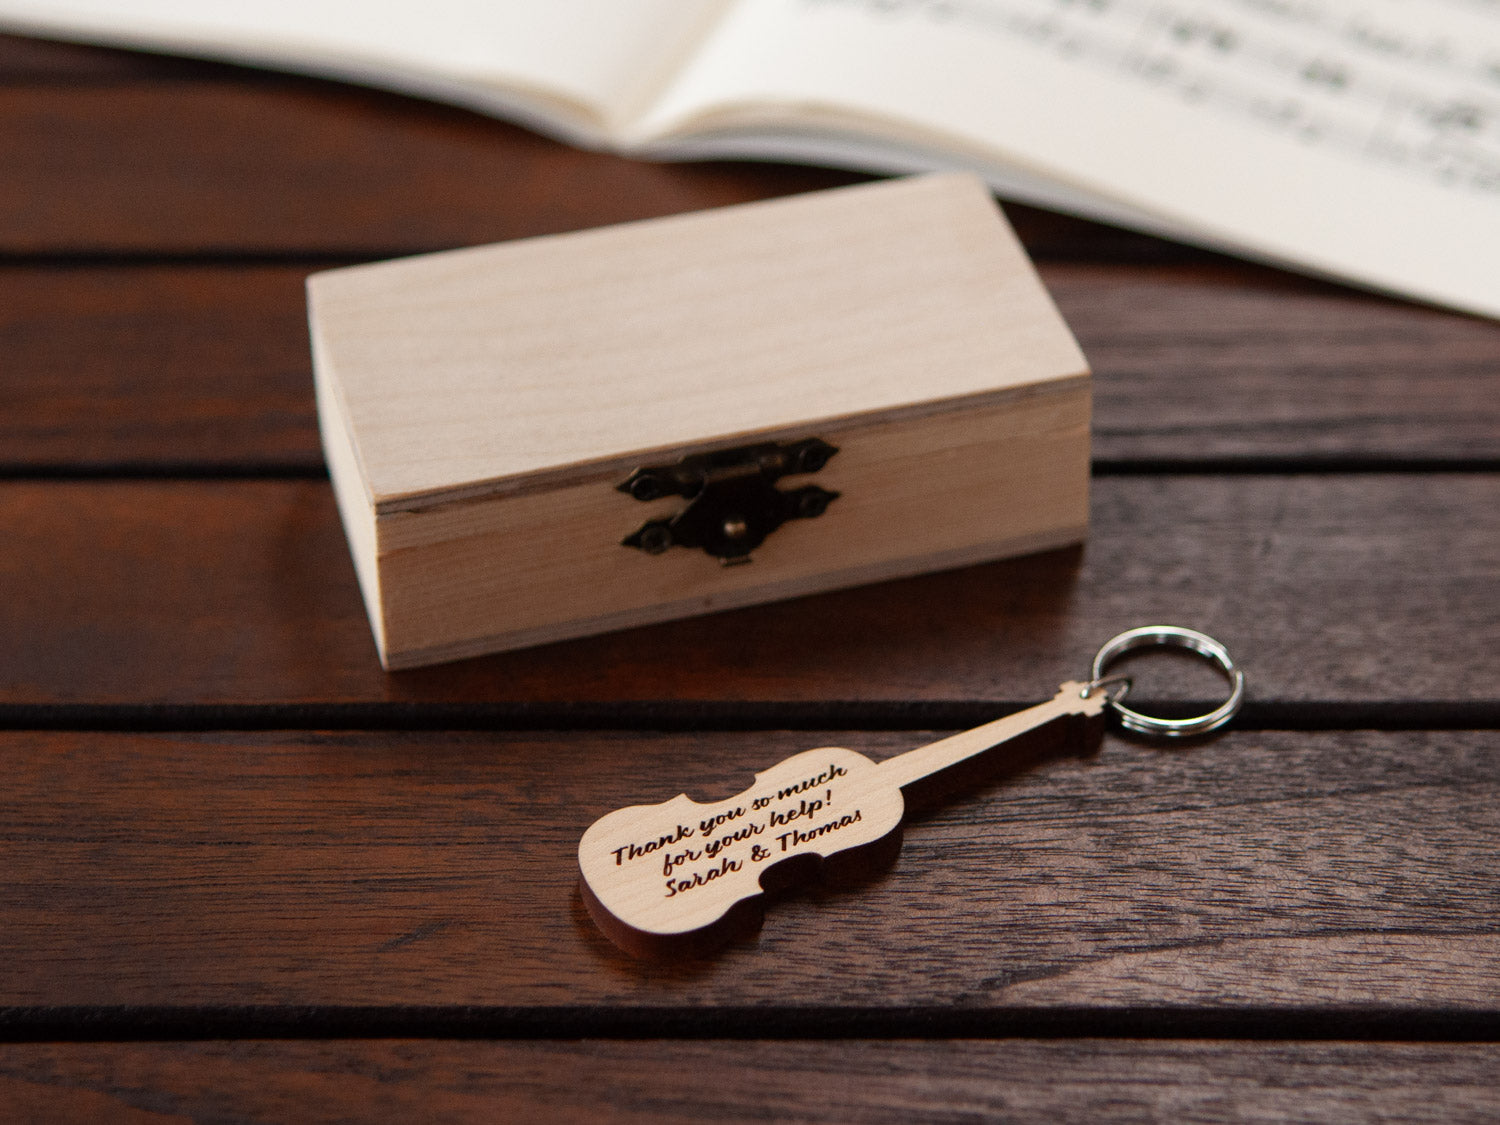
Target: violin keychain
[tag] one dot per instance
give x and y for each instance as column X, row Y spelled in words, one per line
column 683, row 878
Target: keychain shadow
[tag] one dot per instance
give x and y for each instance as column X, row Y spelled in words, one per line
column 799, row 877
column 1176, row 745
column 822, row 878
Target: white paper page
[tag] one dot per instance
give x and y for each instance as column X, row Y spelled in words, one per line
column 586, row 63
column 884, row 155
column 1356, row 138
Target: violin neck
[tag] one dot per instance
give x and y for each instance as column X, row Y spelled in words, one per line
column 935, row 757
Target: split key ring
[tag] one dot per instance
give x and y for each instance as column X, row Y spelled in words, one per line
column 1170, row 636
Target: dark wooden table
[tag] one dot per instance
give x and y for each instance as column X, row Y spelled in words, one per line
column 247, row 876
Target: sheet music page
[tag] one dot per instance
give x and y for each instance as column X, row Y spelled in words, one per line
column 595, row 60
column 1357, row 138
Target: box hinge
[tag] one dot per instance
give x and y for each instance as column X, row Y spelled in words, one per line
column 735, row 503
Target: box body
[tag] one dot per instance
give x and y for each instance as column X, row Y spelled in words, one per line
column 482, row 408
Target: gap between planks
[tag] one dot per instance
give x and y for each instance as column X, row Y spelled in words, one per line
column 1250, row 465
column 165, row 1023
column 645, row 716
column 1330, row 590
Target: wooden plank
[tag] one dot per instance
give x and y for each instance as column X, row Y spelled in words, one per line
column 156, row 366
column 1213, row 362
column 195, row 167
column 207, row 366
column 1260, row 873
column 679, row 1081
column 24, row 60
column 1366, row 589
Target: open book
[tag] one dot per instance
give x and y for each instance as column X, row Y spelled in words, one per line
column 1357, row 139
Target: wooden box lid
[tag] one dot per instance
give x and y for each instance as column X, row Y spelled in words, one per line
column 521, row 363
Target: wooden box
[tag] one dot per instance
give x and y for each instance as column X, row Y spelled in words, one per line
column 582, row 432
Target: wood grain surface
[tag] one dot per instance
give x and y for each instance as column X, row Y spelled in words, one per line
column 196, row 368
column 245, row 876
column 1255, row 873
column 204, row 169
column 135, row 154
column 1085, row 1081
column 37, row 62
column 1329, row 589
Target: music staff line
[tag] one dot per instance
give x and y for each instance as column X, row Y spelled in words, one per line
column 1446, row 129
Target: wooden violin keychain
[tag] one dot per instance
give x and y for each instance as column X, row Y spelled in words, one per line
column 682, row 877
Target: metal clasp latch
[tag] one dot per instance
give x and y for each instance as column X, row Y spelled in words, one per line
column 735, row 503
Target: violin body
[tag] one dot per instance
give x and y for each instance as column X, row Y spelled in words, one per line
column 686, row 876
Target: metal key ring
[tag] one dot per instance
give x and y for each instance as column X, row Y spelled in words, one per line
column 1173, row 636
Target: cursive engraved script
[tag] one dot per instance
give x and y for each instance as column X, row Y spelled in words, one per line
column 724, row 839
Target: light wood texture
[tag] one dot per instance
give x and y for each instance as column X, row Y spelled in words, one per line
column 924, row 493
column 1365, row 598
column 484, row 403
column 355, row 507
column 517, row 364
column 1257, row 877
column 675, row 875
column 660, row 1082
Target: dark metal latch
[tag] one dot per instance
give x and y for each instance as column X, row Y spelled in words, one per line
column 735, row 503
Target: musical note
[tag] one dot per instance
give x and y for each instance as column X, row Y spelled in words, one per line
column 1339, row 74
